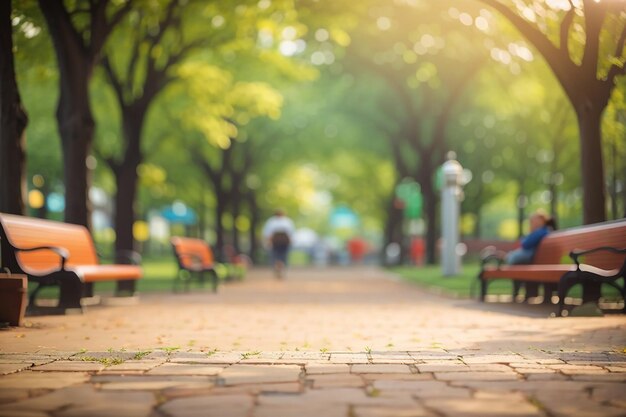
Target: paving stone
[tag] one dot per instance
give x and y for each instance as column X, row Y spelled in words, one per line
column 295, row 411
column 613, row 394
column 452, row 367
column 334, row 396
column 561, row 404
column 476, row 376
column 209, row 406
column 357, row 358
column 225, row 358
column 396, row 377
column 607, row 377
column 25, row 360
column 70, row 366
column 521, row 385
column 546, row 377
column 489, row 367
column 423, row 389
column 414, row 411
column 256, row 389
column 322, row 368
column 131, row 366
column 42, row 380
column 254, row 374
column 335, row 380
column 306, row 355
column 261, row 357
column 483, row 408
column 380, row 369
column 9, row 395
column 391, row 358
column 9, row 368
column 491, row 359
column 14, row 413
column 83, row 400
column 325, row 398
column 578, row 369
column 433, row 355
column 185, row 369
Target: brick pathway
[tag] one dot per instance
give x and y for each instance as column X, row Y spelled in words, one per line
column 338, row 342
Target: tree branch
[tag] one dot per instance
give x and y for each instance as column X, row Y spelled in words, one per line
column 594, row 18
column 559, row 60
column 113, row 80
column 566, row 24
column 101, row 29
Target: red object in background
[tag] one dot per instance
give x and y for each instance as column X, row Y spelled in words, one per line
column 357, row 248
column 418, row 250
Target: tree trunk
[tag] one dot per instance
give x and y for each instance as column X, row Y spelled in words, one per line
column 74, row 117
column 126, row 177
column 554, row 199
column 613, row 189
column 393, row 227
column 220, row 209
column 13, row 120
column 126, row 182
column 430, row 201
column 255, row 220
column 589, row 122
column 477, row 224
column 235, row 201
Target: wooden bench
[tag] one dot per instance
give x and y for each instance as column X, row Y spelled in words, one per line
column 195, row 258
column 589, row 255
column 59, row 254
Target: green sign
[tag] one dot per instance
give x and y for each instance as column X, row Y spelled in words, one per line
column 410, row 193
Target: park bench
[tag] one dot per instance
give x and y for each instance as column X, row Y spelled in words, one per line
column 195, row 258
column 588, row 255
column 59, row 254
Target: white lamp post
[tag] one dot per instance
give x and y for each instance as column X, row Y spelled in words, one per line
column 451, row 195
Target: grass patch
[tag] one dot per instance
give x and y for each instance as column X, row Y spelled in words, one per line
column 458, row 286
column 106, row 361
column 141, row 354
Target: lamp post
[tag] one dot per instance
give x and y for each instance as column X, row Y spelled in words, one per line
column 451, row 195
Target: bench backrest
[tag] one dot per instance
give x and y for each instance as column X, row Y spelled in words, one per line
column 27, row 232
column 555, row 248
column 190, row 251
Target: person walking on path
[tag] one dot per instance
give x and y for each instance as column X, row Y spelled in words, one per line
column 277, row 233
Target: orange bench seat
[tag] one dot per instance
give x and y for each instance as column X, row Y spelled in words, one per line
column 62, row 254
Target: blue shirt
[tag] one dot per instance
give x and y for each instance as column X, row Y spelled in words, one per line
column 534, row 238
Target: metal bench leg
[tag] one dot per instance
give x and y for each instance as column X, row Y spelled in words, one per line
column 88, row 289
column 214, row 280
column 566, row 282
column 33, row 295
column 548, row 289
column 483, row 288
column 517, row 285
column 591, row 291
column 125, row 287
column 71, row 290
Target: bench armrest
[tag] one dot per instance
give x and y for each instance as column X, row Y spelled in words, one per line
column 577, row 253
column 133, row 258
column 490, row 254
column 194, row 256
column 62, row 252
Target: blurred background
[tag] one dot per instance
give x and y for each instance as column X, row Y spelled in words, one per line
column 203, row 117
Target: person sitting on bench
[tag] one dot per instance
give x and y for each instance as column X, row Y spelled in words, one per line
column 540, row 225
